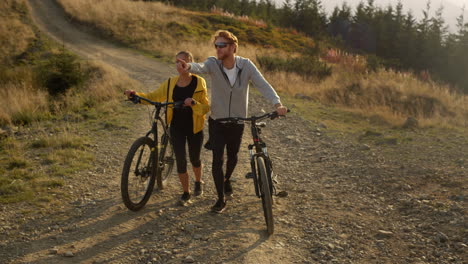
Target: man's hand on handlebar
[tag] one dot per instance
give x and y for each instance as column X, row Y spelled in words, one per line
column 281, row 109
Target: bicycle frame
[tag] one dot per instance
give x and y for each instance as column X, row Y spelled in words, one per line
column 154, row 128
column 258, row 148
column 157, row 117
column 261, row 165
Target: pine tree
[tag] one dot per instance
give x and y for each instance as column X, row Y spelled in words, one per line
column 340, row 22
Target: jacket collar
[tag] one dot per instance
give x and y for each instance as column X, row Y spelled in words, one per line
column 239, row 62
column 175, row 79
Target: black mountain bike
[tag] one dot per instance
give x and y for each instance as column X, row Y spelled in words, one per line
column 261, row 165
column 149, row 160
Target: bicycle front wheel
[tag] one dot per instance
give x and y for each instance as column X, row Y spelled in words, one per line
column 166, row 161
column 267, row 199
column 139, row 174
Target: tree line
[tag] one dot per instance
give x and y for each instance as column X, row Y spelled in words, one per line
column 398, row 39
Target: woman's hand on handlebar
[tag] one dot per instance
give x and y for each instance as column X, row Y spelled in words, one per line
column 129, row 93
column 189, row 102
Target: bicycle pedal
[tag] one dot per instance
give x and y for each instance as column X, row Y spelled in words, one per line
column 249, row 175
column 282, row 194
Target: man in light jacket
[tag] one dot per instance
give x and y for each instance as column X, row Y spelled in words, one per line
column 230, row 76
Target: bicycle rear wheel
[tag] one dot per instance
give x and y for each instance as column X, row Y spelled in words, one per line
column 166, row 161
column 267, row 199
column 139, row 174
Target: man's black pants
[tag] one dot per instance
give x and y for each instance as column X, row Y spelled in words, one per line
column 229, row 136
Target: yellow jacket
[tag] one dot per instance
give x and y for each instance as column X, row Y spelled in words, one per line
column 199, row 95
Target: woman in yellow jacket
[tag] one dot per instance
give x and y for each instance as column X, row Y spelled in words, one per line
column 186, row 123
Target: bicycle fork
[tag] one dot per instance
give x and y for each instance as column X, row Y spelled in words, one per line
column 253, row 165
column 268, row 166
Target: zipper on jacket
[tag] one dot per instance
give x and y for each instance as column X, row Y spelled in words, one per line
column 229, row 83
column 230, row 100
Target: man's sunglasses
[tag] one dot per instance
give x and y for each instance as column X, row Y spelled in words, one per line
column 221, row 44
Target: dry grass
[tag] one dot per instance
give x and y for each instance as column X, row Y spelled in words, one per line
column 246, row 19
column 20, row 100
column 32, row 171
column 146, row 25
column 393, row 96
column 15, row 33
column 22, row 103
column 152, row 26
column 115, row 12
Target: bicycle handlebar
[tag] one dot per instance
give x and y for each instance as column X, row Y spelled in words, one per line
column 271, row 115
column 136, row 99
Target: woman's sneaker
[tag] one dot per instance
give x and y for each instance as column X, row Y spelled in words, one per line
column 198, row 189
column 185, row 199
column 219, row 206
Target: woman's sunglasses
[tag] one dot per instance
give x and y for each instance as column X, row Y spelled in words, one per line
column 221, row 44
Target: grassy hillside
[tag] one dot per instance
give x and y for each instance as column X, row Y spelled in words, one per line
column 158, row 28
column 356, row 83
column 40, row 145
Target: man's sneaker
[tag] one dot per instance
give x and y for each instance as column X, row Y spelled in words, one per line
column 185, row 199
column 227, row 188
column 219, row 206
column 198, row 189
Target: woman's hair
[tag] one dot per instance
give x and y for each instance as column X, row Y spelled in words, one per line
column 186, row 54
column 227, row 35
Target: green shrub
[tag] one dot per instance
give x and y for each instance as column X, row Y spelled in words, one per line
column 40, row 143
column 373, row 63
column 178, row 29
column 17, row 163
column 60, row 72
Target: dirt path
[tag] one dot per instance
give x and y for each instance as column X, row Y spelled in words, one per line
column 51, row 19
column 348, row 202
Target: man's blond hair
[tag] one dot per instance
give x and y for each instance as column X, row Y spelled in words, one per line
column 232, row 39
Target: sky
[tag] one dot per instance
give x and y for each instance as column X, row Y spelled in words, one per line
column 452, row 8
column 459, row 3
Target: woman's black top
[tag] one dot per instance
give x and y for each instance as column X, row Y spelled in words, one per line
column 182, row 117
